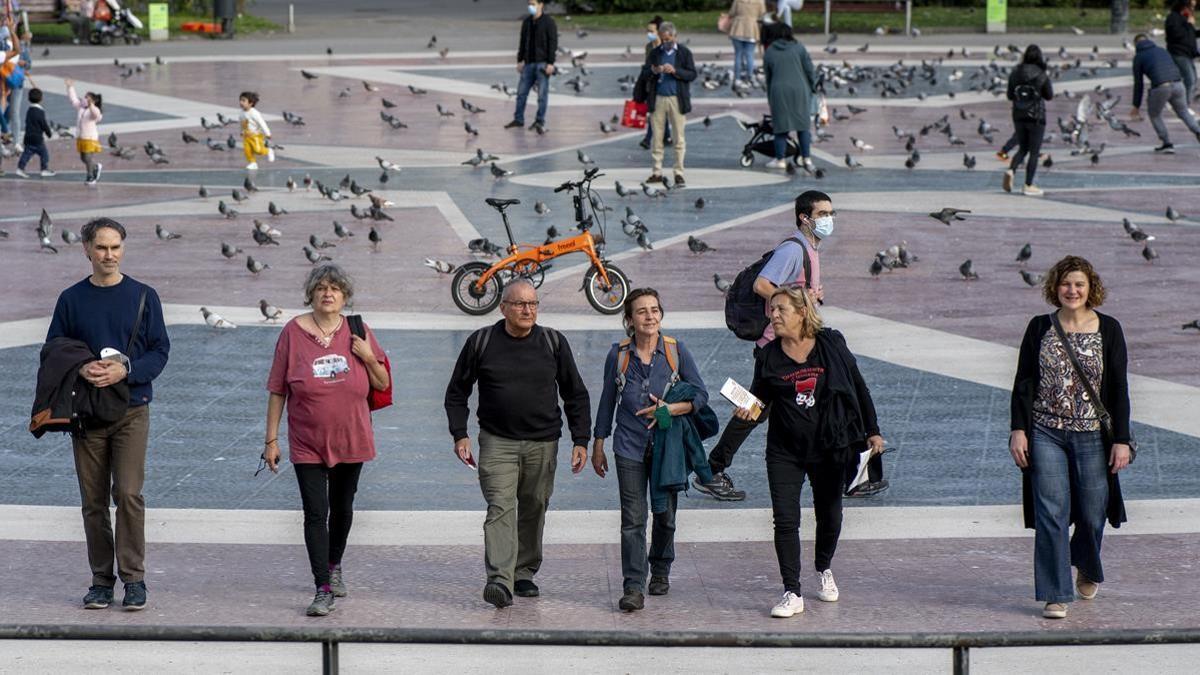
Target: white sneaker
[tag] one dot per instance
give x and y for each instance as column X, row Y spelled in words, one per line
column 1032, row 191
column 270, row 154
column 808, row 165
column 777, row 164
column 21, row 173
column 829, row 589
column 47, row 173
column 21, row 148
column 99, row 168
column 790, row 605
column 252, row 166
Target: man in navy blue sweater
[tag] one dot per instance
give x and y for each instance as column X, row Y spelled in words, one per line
column 1166, row 86
column 102, row 311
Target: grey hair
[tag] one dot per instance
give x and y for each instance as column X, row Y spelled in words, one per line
column 511, row 286
column 332, row 273
column 667, row 27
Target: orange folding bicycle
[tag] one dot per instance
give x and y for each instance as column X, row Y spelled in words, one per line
column 477, row 286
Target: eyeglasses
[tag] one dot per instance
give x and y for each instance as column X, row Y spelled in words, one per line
column 530, row 304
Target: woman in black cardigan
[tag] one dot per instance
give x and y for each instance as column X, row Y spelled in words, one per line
column 1070, row 469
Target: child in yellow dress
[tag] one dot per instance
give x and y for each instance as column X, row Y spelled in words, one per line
column 87, row 129
column 255, row 132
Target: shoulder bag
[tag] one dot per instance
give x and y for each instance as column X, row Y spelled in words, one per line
column 376, row 399
column 1106, row 428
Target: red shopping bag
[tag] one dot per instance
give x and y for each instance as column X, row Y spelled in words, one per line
column 634, row 115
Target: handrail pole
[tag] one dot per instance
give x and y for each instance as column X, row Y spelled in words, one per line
column 329, row 657
column 961, row 659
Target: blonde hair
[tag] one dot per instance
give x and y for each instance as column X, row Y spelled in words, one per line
column 804, row 304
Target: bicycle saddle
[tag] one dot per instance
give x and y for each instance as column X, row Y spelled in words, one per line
column 501, row 203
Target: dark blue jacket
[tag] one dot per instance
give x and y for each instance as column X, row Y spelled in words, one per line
column 679, row 447
column 36, row 126
column 1154, row 62
column 685, row 72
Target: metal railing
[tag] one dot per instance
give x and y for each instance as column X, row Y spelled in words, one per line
column 960, row 644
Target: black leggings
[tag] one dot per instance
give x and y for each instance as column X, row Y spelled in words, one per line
column 785, row 475
column 328, row 497
column 1029, row 136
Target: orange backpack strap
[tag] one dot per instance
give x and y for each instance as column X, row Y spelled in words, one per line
column 671, row 347
column 624, row 353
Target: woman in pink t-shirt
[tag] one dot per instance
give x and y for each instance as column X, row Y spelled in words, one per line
column 324, row 374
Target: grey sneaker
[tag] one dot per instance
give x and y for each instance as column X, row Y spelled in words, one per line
column 721, row 488
column 321, row 605
column 135, row 596
column 98, row 597
column 336, row 583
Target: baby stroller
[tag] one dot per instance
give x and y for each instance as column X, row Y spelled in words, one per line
column 112, row 22
column 763, row 142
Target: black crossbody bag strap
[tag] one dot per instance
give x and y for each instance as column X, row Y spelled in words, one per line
column 1105, row 419
column 137, row 325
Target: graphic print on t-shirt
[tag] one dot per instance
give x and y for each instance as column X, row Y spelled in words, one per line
column 805, row 382
column 330, row 366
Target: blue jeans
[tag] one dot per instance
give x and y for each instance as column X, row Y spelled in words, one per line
column 533, row 72
column 781, row 144
column 1070, row 483
column 16, row 121
column 743, row 59
column 633, row 480
column 30, row 150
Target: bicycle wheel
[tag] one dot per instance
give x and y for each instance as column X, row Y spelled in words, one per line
column 606, row 298
column 468, row 297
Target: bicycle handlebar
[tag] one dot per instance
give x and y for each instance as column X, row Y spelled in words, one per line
column 588, row 176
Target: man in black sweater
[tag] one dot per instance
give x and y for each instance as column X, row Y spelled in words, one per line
column 37, row 130
column 535, row 63
column 522, row 370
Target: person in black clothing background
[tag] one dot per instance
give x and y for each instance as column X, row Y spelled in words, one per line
column 522, row 370
column 37, row 130
column 820, row 415
column 1181, row 43
column 1028, row 88
column 535, row 63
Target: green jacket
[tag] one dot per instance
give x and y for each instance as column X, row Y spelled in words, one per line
column 791, row 82
column 678, row 448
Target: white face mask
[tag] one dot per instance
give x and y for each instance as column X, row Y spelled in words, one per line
column 823, row 227
column 651, row 37
column 532, row 10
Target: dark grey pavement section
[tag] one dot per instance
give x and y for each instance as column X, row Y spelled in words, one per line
column 207, row 426
column 58, row 109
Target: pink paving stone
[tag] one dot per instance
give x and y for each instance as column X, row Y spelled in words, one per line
column 191, row 270
column 1151, row 301
column 25, row 199
column 1152, row 201
column 909, row 585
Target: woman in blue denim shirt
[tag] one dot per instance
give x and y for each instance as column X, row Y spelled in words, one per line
column 646, row 380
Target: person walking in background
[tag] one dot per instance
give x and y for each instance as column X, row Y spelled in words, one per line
column 1166, row 86
column 785, row 8
column 89, row 112
column 255, row 133
column 646, row 80
column 670, row 99
column 1181, row 36
column 744, row 16
column 1028, row 88
column 37, row 130
column 536, row 50
column 17, row 91
column 1061, row 407
column 121, row 321
column 819, row 417
column 522, row 369
column 324, row 373
column 78, row 13
column 639, row 373
column 791, row 86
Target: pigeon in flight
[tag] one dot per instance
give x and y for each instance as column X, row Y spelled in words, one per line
column 948, row 215
column 216, row 321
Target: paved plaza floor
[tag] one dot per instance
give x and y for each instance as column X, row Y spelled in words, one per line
column 942, row 550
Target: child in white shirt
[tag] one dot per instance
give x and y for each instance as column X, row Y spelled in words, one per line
column 255, row 132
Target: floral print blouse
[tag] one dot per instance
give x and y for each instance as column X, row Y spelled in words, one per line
column 1062, row 401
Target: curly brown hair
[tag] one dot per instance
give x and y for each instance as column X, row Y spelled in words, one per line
column 1073, row 263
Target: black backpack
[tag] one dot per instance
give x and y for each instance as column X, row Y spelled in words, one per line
column 745, row 311
column 1027, row 101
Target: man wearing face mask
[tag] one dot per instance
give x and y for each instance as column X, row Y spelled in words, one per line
column 646, row 80
column 795, row 261
column 535, row 63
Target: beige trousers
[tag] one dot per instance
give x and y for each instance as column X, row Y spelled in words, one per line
column 667, row 108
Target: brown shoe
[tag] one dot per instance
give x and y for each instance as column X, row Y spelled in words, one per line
column 655, row 178
column 1055, row 610
column 1086, row 588
column 679, row 181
